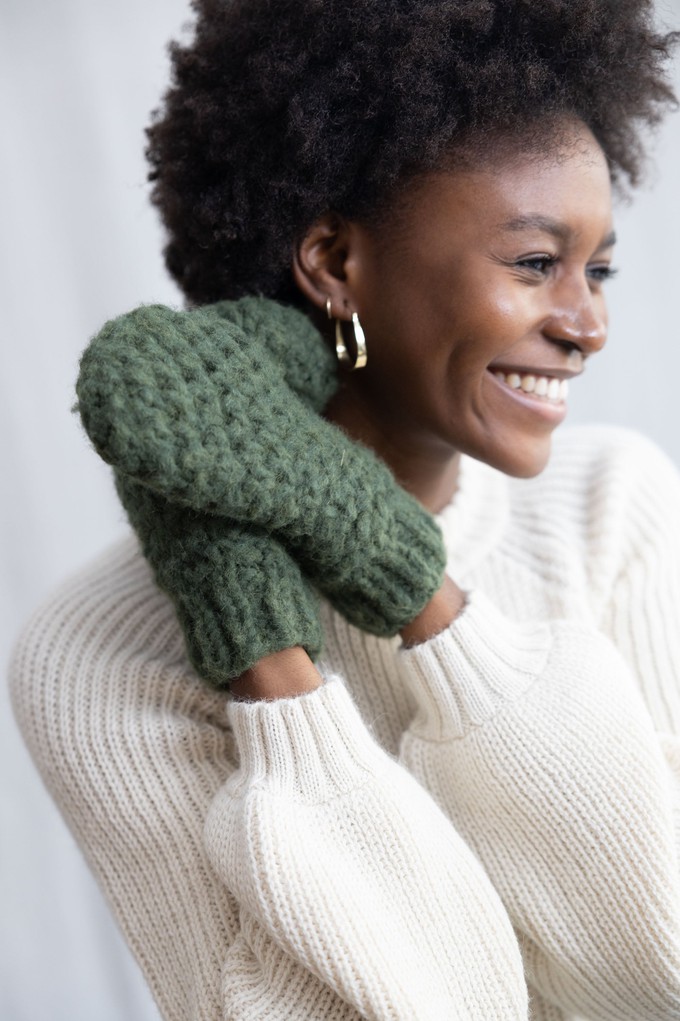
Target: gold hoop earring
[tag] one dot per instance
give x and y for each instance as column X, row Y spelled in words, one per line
column 341, row 351
column 359, row 342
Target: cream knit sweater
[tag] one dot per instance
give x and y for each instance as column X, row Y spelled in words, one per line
column 431, row 833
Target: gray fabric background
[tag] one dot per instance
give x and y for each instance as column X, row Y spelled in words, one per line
column 78, row 243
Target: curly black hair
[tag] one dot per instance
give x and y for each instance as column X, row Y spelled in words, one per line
column 281, row 110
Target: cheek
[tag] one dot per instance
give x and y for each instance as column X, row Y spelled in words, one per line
column 490, row 320
column 479, row 331
column 438, row 324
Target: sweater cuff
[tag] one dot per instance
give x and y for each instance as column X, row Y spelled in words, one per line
column 311, row 748
column 468, row 673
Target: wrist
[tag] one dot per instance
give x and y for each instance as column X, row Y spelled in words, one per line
column 283, row 674
column 436, row 615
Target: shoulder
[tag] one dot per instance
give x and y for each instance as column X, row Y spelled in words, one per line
column 599, row 482
column 597, row 470
column 110, row 606
column 607, row 493
column 601, row 447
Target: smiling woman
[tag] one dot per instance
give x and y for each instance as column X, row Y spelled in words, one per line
column 378, row 714
column 494, row 269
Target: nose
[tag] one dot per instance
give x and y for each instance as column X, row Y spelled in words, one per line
column 578, row 317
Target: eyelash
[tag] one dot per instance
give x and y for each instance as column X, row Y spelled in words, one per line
column 542, row 263
column 602, row 273
column 537, row 263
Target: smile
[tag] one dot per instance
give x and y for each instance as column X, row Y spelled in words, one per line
column 546, row 387
column 542, row 395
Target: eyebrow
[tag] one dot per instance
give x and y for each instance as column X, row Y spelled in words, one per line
column 559, row 230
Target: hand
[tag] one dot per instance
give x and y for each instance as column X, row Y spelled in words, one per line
column 201, row 413
column 238, row 595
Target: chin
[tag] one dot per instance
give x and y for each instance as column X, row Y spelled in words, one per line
column 524, row 460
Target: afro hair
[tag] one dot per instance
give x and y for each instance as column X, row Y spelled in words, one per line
column 282, row 110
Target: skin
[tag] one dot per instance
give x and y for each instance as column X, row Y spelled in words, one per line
column 497, row 265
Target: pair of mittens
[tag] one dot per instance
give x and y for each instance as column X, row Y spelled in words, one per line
column 243, row 497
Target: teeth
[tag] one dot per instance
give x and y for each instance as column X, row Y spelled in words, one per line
column 548, row 387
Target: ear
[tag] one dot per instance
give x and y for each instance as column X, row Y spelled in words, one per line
column 324, row 264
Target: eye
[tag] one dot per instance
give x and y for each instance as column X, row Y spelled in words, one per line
column 537, row 263
column 600, row 274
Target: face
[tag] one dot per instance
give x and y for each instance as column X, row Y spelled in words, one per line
column 482, row 299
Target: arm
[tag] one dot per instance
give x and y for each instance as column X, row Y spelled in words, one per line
column 402, row 930
column 535, row 741
column 323, row 834
column 333, row 897
column 352, row 869
column 133, row 748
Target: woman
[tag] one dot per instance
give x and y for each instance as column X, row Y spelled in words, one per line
column 477, row 819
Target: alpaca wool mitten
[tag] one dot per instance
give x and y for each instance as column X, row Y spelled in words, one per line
column 197, row 406
column 291, row 342
column 237, row 593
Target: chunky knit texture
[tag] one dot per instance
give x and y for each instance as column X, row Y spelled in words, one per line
column 197, row 407
column 238, row 594
column 286, row 861
column 198, row 557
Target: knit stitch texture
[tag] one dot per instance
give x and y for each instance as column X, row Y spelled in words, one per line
column 238, row 594
column 199, row 408
column 344, row 855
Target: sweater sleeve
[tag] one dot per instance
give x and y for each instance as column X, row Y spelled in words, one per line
column 535, row 741
column 336, row 852
column 343, row 879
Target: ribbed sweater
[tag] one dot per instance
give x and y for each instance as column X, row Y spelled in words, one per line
column 484, row 826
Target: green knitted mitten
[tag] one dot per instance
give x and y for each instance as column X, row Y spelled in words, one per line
column 238, row 595
column 202, row 413
column 293, row 345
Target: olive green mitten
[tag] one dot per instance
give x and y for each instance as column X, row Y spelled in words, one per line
column 237, row 593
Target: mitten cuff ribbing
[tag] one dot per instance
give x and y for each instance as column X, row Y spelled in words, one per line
column 387, row 578
column 310, row 748
column 222, row 647
column 265, row 606
column 467, row 674
column 238, row 595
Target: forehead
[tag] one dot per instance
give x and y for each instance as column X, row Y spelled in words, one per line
column 511, row 191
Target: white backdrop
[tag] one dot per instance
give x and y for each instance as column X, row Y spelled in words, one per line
column 78, row 244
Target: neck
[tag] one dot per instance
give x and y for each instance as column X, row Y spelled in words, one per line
column 426, row 469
